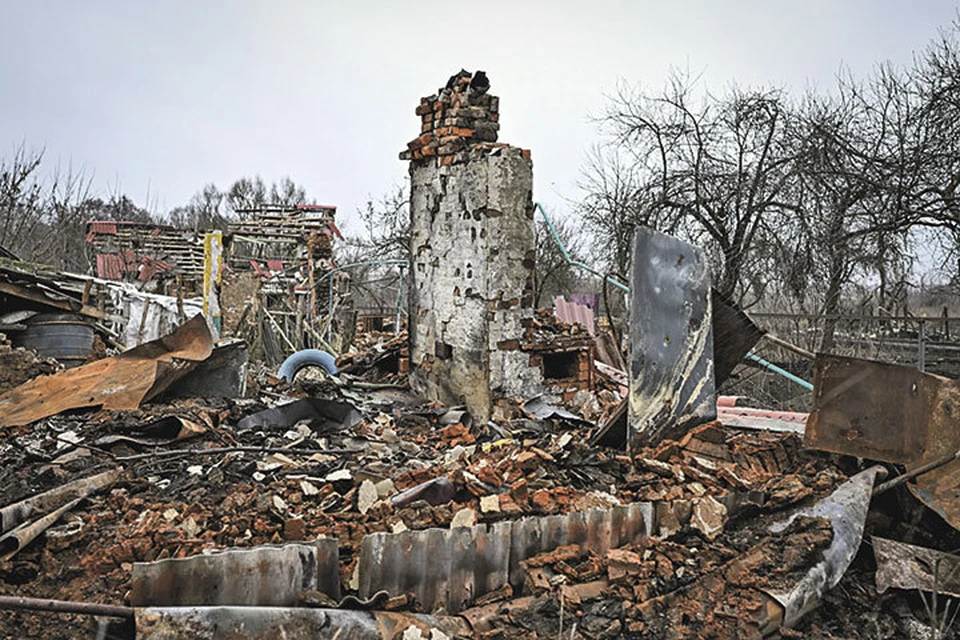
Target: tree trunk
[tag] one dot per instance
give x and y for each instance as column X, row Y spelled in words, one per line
column 831, row 305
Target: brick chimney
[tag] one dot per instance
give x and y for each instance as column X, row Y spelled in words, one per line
column 473, row 248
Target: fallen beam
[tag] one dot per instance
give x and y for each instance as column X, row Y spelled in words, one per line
column 12, row 603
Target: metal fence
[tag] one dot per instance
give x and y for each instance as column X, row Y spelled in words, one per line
column 930, row 344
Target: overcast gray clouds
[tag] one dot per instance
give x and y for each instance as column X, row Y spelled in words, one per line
column 168, row 96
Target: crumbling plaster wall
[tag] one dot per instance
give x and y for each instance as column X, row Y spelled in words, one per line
column 473, row 253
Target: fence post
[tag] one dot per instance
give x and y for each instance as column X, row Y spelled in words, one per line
column 921, row 345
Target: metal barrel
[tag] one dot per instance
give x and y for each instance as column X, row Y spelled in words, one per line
column 63, row 336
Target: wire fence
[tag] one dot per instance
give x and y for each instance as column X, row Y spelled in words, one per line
column 930, row 344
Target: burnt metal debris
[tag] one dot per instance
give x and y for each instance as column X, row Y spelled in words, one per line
column 907, row 566
column 671, row 354
column 498, row 472
column 121, row 382
column 265, row 576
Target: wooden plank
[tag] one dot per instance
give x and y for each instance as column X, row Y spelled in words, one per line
column 25, row 293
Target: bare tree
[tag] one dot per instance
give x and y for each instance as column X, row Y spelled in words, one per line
column 614, row 204
column 716, row 170
column 21, row 201
column 386, row 225
column 66, row 216
column 930, row 137
column 287, row 192
column 41, row 220
column 205, row 211
column 246, row 194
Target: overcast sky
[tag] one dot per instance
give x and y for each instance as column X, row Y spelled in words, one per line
column 160, row 98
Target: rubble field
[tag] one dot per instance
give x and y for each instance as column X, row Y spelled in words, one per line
column 486, row 469
column 192, row 479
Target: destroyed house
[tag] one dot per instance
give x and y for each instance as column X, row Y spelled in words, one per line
column 506, row 472
column 144, row 252
column 268, row 239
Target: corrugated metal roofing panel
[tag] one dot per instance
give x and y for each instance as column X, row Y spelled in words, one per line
column 450, row 568
column 266, row 576
column 110, row 266
column 105, row 227
column 573, row 313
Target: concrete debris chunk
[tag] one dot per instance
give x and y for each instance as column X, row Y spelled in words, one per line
column 190, row 527
column 366, row 496
column 490, row 504
column 385, row 489
column 341, row 474
column 708, row 517
column 464, row 518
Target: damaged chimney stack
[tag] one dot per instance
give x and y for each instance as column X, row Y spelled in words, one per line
column 473, row 248
column 460, row 115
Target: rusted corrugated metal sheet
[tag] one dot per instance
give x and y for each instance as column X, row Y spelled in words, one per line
column 449, row 568
column 574, row 313
column 110, row 266
column 122, row 382
column 266, row 576
column 105, row 227
column 270, row 623
column 750, row 418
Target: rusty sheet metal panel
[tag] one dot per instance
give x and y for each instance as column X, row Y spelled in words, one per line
column 121, row 382
column 870, row 409
column 110, row 266
column 893, row 414
column 671, row 339
column 266, row 576
column 907, row 566
column 449, row 568
column 270, row 623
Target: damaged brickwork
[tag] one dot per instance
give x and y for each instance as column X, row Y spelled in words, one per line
column 473, row 250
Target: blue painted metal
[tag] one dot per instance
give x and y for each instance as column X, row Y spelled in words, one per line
column 783, row 372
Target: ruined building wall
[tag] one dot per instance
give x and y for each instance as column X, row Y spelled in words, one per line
column 473, row 252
